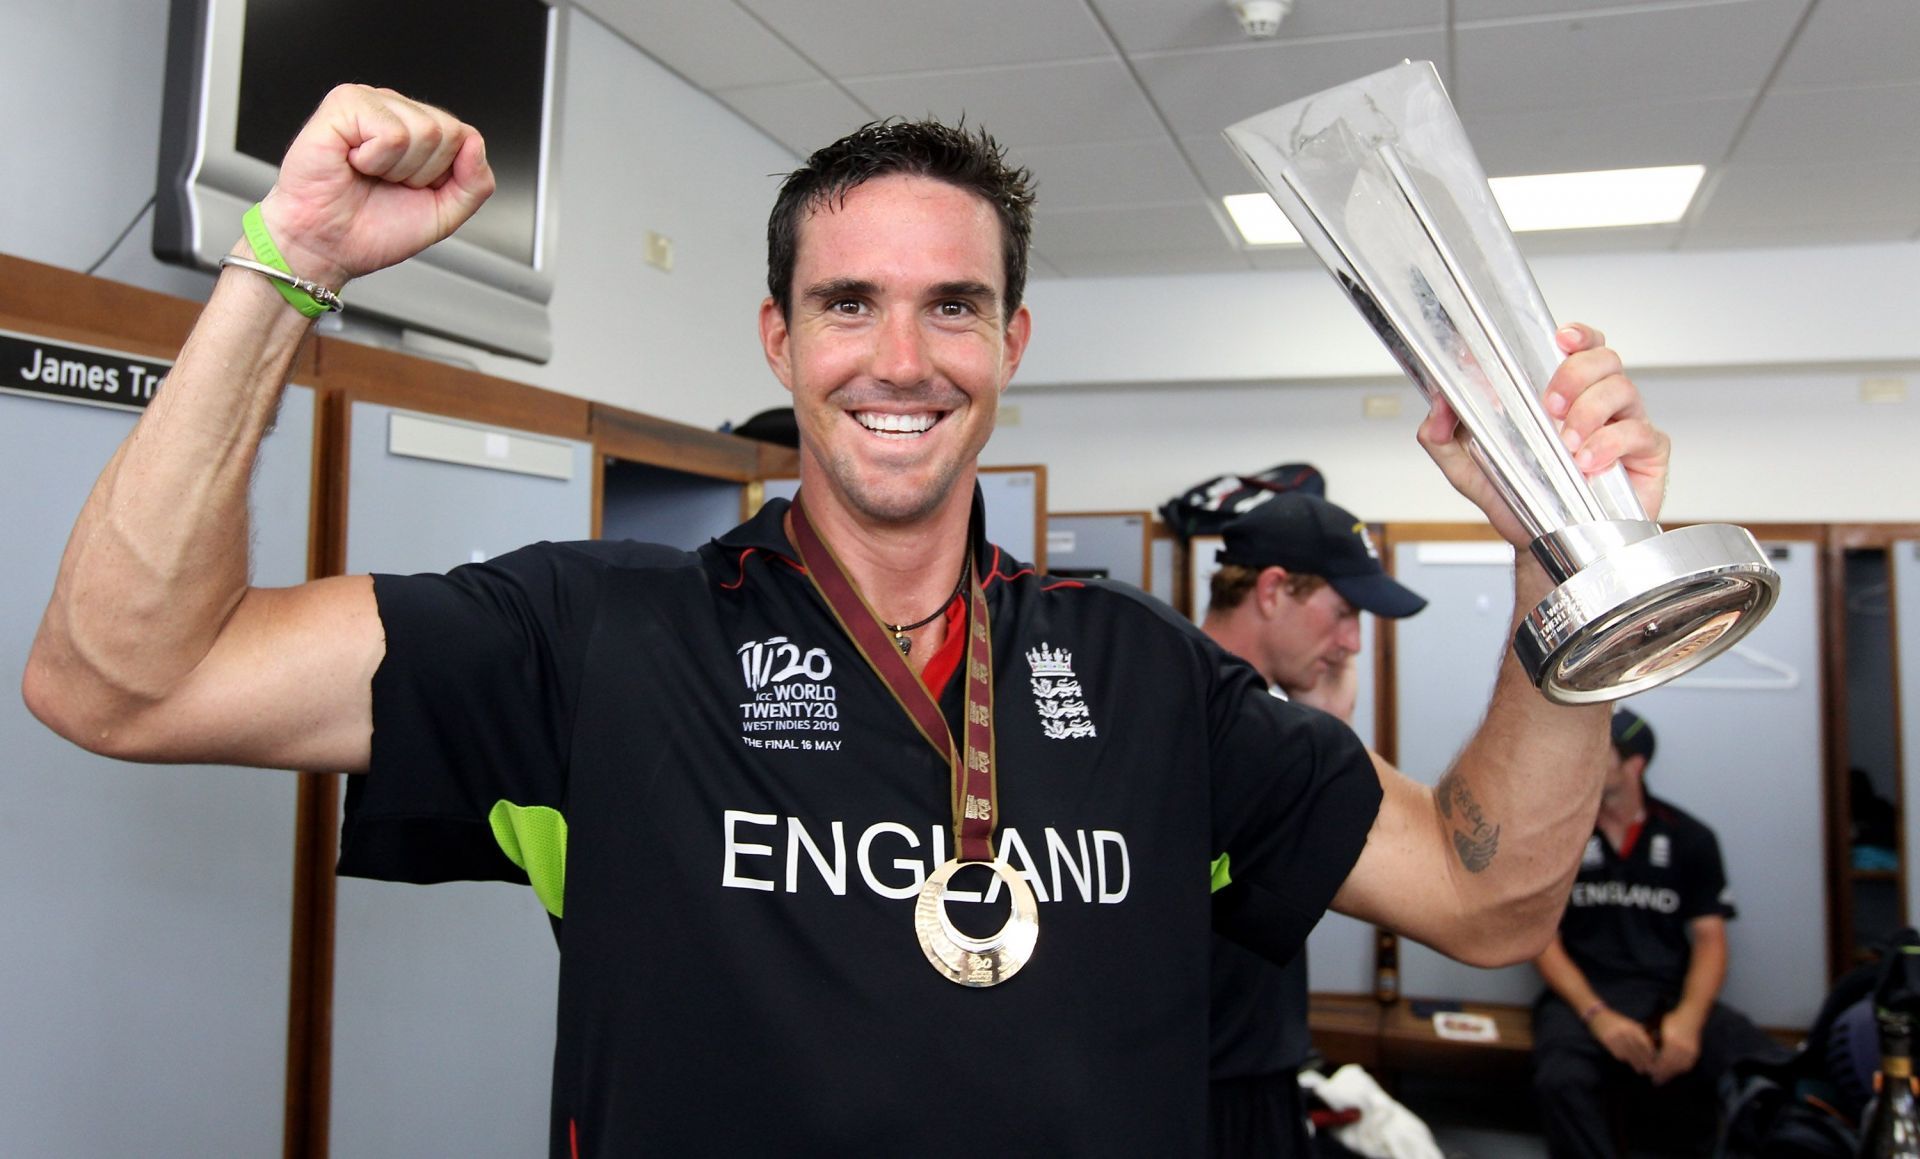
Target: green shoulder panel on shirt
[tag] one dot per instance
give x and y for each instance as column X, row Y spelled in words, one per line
column 534, row 838
column 1221, row 877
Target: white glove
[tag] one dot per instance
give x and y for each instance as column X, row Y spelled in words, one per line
column 1385, row 1129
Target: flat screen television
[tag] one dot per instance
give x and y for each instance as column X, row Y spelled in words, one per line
column 243, row 76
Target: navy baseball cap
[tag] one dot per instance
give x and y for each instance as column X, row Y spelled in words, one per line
column 1632, row 735
column 1305, row 533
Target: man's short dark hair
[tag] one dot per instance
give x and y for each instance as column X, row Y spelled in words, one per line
column 968, row 159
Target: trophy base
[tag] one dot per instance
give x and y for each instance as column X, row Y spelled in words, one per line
column 1645, row 613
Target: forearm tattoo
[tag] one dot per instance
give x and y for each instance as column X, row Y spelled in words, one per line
column 1474, row 840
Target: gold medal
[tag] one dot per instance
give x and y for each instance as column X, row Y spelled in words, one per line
column 974, row 961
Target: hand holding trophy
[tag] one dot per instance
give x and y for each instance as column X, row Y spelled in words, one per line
column 1381, row 182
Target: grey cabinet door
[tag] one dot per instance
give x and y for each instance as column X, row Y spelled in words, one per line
column 443, row 1007
column 147, row 909
column 1739, row 747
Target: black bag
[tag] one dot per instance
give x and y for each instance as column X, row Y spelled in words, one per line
column 1205, row 508
column 1806, row 1107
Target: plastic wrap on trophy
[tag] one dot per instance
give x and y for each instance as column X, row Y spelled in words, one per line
column 1381, row 182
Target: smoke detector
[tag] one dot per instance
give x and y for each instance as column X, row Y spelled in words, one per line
column 1260, row 19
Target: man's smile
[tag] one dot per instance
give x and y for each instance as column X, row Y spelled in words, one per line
column 898, row 426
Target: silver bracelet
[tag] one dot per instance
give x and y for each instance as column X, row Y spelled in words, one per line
column 324, row 298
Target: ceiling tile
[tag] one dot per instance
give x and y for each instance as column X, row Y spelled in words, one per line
column 1059, row 104
column 1072, row 233
column 712, row 45
column 1157, row 25
column 1620, row 56
column 802, row 117
column 1204, row 91
column 1745, row 196
column 1835, row 125
column 1038, row 267
column 850, row 38
column 1120, row 173
column 1566, row 140
column 1850, row 42
column 1221, row 170
column 1831, row 154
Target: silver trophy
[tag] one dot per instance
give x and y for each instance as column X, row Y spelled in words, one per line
column 1380, row 180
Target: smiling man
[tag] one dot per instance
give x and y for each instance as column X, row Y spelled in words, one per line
column 781, row 791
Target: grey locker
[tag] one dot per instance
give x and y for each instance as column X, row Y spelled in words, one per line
column 1739, row 746
column 1111, row 545
column 148, row 908
column 443, row 1006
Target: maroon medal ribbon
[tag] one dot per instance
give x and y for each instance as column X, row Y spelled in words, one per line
column 967, row 960
column 973, row 799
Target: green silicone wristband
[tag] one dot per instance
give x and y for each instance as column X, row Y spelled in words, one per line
column 255, row 227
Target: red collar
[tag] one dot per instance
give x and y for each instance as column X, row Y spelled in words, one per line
column 943, row 664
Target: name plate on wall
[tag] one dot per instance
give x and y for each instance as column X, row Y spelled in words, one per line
column 77, row 373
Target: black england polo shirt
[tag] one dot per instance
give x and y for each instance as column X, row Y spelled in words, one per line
column 747, row 816
column 1627, row 919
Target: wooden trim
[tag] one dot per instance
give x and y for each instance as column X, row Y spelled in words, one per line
column 1834, row 708
column 1039, row 560
column 309, row 1082
column 659, row 442
column 63, row 305
column 1905, row 871
column 776, row 462
column 1386, row 695
column 1858, row 535
column 1840, row 539
column 370, row 374
column 1434, row 532
column 316, row 838
column 1182, row 594
column 597, row 464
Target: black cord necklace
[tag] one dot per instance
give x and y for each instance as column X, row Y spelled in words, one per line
column 900, row 631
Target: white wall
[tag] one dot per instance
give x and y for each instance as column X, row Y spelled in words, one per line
column 1755, row 444
column 1135, row 388
column 1811, row 305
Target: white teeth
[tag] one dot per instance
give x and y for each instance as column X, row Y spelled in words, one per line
column 896, row 424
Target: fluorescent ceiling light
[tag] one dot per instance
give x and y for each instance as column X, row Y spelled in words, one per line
column 1593, row 200
column 1609, row 197
column 1260, row 220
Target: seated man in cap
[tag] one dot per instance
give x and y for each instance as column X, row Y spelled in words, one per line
column 1296, row 574
column 1634, row 974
